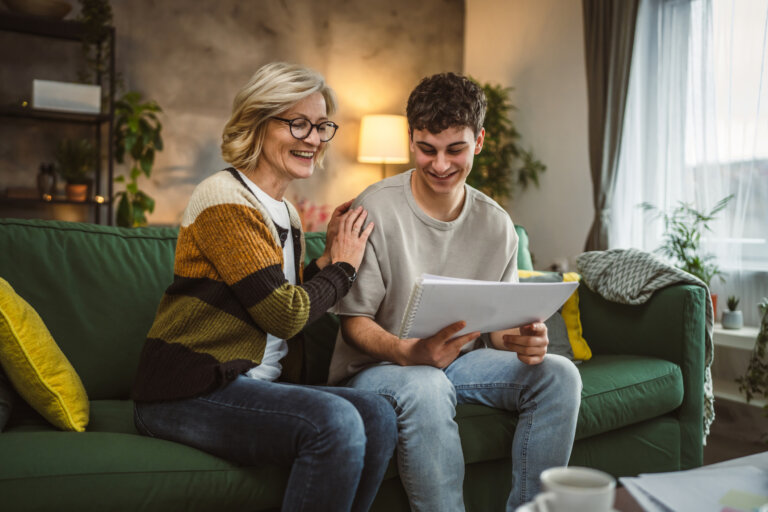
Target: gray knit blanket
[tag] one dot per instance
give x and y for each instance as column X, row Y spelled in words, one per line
column 631, row 276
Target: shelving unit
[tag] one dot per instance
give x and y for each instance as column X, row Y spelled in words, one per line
column 738, row 339
column 102, row 124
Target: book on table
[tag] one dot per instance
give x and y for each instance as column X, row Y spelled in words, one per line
column 486, row 306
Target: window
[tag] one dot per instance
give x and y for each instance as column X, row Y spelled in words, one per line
column 696, row 129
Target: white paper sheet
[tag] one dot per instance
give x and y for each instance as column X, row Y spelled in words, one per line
column 699, row 490
column 486, row 306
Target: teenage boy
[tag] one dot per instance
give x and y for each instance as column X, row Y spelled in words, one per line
column 429, row 221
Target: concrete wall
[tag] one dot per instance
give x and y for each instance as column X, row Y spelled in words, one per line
column 192, row 57
column 537, row 47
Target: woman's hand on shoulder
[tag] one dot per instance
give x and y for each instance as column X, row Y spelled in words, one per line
column 331, row 231
column 348, row 243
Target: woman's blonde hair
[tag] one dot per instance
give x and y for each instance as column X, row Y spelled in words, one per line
column 273, row 89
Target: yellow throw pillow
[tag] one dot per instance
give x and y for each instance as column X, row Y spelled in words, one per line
column 570, row 312
column 37, row 367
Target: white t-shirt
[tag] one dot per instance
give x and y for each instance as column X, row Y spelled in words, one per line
column 276, row 348
column 481, row 243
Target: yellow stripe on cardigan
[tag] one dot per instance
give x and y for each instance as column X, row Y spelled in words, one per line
column 206, row 329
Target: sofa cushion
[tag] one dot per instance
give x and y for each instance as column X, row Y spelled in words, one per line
column 96, row 288
column 36, row 366
column 570, row 310
column 141, row 473
column 621, row 390
column 524, row 260
column 648, row 447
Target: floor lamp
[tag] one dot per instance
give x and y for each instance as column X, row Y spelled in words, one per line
column 383, row 140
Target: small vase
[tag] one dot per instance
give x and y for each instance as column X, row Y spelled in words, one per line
column 733, row 320
column 46, row 182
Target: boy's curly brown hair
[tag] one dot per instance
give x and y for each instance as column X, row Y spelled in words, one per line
column 446, row 100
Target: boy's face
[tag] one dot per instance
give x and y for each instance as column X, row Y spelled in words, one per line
column 444, row 160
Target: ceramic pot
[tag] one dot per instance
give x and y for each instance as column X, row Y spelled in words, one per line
column 77, row 191
column 733, row 320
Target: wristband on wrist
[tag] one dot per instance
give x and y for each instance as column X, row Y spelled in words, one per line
column 348, row 269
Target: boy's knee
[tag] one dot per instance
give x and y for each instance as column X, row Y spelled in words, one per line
column 427, row 391
column 564, row 373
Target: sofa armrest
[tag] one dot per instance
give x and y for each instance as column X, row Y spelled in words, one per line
column 671, row 326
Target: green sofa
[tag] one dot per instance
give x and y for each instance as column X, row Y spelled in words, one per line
column 97, row 289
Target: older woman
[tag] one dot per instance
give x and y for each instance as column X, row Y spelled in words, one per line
column 219, row 366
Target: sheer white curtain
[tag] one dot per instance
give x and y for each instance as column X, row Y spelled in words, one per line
column 696, row 130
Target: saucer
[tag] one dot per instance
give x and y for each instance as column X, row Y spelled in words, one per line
column 531, row 507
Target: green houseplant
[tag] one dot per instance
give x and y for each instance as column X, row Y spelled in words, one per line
column 683, row 227
column 74, row 160
column 503, row 165
column 138, row 136
column 732, row 318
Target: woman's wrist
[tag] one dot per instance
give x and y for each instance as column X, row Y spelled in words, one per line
column 323, row 261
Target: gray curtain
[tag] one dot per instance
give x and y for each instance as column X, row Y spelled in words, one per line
column 609, row 33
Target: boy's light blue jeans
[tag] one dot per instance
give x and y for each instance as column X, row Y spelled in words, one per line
column 431, row 463
column 338, row 441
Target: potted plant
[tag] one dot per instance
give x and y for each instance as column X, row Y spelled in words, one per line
column 75, row 159
column 503, row 165
column 138, row 136
column 732, row 318
column 754, row 382
column 683, row 227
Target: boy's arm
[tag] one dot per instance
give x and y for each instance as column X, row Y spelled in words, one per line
column 438, row 350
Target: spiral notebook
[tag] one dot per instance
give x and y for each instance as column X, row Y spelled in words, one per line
column 486, row 306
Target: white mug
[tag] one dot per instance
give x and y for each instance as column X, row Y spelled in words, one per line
column 576, row 489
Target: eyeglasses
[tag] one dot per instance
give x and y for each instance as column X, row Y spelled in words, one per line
column 301, row 128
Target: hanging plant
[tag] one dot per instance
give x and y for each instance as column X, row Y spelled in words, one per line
column 754, row 382
column 504, row 165
column 96, row 15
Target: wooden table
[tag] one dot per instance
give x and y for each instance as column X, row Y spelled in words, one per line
column 625, row 502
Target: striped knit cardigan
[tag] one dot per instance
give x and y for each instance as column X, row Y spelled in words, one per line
column 228, row 292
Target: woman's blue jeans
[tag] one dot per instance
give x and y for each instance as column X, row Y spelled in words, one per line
column 338, row 441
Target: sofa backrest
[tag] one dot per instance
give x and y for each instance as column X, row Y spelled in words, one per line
column 97, row 289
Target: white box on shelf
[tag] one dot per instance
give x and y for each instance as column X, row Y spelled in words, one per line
column 66, row 96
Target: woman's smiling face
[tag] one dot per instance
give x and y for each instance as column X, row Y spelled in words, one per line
column 283, row 155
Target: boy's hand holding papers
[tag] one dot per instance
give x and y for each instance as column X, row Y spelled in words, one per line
column 481, row 306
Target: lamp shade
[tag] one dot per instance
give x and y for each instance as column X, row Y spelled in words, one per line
column 383, row 140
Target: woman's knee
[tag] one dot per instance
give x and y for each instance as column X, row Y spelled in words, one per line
column 337, row 422
column 379, row 418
